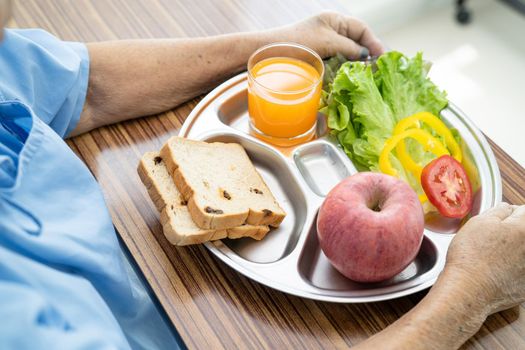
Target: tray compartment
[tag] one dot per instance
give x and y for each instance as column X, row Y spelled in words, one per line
column 233, row 111
column 317, row 270
column 279, row 242
column 320, row 166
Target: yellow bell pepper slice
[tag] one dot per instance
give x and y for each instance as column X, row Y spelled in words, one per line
column 429, row 142
column 438, row 126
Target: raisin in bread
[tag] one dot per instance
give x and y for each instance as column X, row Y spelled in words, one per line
column 222, row 187
column 175, row 218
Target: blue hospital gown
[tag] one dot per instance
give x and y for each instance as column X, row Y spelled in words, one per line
column 63, row 280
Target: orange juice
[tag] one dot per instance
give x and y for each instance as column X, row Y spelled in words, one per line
column 283, row 96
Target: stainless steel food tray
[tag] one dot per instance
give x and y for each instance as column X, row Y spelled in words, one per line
column 289, row 258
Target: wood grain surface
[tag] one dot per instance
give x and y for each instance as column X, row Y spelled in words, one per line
column 211, row 305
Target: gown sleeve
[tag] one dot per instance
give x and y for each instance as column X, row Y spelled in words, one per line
column 45, row 73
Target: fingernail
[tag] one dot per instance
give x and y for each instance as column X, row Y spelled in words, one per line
column 363, row 53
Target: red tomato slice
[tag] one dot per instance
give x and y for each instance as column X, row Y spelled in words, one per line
column 447, row 187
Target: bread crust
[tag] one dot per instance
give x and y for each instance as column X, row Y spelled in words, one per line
column 202, row 213
column 175, row 218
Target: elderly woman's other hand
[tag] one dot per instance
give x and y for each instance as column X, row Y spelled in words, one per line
column 330, row 33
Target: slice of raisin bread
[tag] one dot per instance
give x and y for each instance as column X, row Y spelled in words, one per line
column 222, row 187
column 175, row 218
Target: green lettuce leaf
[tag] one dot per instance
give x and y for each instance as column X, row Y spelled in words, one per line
column 405, row 87
column 363, row 103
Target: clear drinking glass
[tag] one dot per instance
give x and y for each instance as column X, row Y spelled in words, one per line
column 284, row 88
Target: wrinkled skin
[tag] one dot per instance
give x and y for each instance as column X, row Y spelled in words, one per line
column 330, row 33
column 484, row 273
column 197, row 64
column 489, row 251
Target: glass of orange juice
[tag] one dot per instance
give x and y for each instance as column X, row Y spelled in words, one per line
column 284, row 88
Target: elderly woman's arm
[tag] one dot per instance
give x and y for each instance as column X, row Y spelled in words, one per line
column 448, row 316
column 484, row 273
column 133, row 78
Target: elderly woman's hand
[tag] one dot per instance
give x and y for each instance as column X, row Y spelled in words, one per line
column 329, row 33
column 489, row 252
column 484, row 273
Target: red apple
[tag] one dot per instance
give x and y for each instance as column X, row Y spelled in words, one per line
column 370, row 226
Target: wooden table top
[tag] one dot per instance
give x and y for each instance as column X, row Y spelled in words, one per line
column 210, row 304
